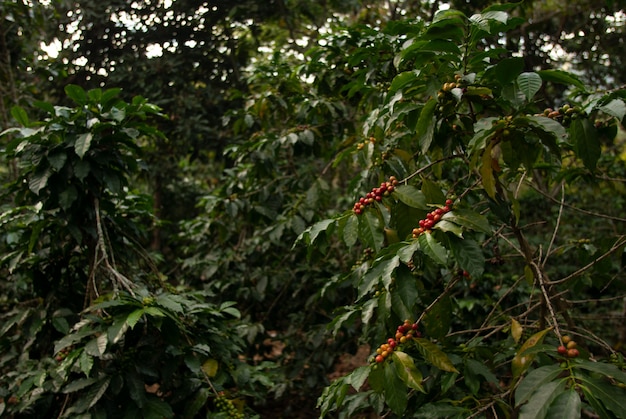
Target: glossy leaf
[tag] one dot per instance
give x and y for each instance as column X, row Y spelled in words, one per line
column 438, row 320
column 76, row 93
column 370, row 230
column 395, row 391
column 469, row 255
column 605, row 369
column 468, row 219
column 615, row 107
column 434, row 356
column 566, row 405
column 83, row 143
column 426, row 125
column 20, row 115
column 562, row 77
column 406, row 370
column 586, row 142
column 411, row 196
column 433, row 249
column 534, row 381
column 612, row 397
column 539, row 403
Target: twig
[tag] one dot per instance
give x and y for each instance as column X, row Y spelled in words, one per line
column 429, row 165
column 556, row 228
column 538, row 274
column 619, row 243
column 594, row 214
column 121, row 279
column 439, row 297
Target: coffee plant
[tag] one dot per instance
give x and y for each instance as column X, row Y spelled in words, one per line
column 468, row 244
column 91, row 328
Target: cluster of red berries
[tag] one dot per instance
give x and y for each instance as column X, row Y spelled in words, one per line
column 405, row 331
column 431, row 219
column 63, row 353
column 376, row 195
column 568, row 348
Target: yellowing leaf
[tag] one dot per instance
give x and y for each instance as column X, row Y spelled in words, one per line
column 210, row 367
column 521, row 362
column 434, row 356
column 516, row 330
column 486, row 172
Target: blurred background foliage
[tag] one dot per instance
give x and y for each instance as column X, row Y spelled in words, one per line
column 260, row 101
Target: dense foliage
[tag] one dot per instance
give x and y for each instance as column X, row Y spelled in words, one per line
column 399, row 211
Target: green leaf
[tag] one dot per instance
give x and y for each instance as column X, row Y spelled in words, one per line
column 468, row 219
column 432, row 192
column 382, row 271
column 134, row 317
column 612, row 397
column 433, row 249
column 406, row 286
column 469, row 255
column 20, row 115
column 402, row 80
column 449, row 227
column 157, row 409
column 539, row 404
column 357, row 377
column 615, row 108
column 563, row 77
column 78, row 384
column 395, row 391
column 535, row 380
column 370, row 230
column 351, row 230
column 67, row 197
column 586, row 142
column 406, row 370
column 376, row 378
column 311, row 233
column 98, row 391
column 83, row 142
column 529, row 83
column 411, row 196
column 116, row 331
column 85, row 362
column 426, row 125
column 57, row 160
column 96, row 347
column 438, row 320
column 608, row 370
column 39, row 181
column 434, row 356
column 76, row 93
column 566, row 405
column 194, row 405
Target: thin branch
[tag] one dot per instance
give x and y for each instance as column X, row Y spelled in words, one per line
column 556, row 228
column 594, row 214
column 121, row 279
column 439, row 297
column 429, row 165
column 619, row 243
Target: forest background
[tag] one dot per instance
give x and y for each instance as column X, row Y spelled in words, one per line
column 298, row 208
